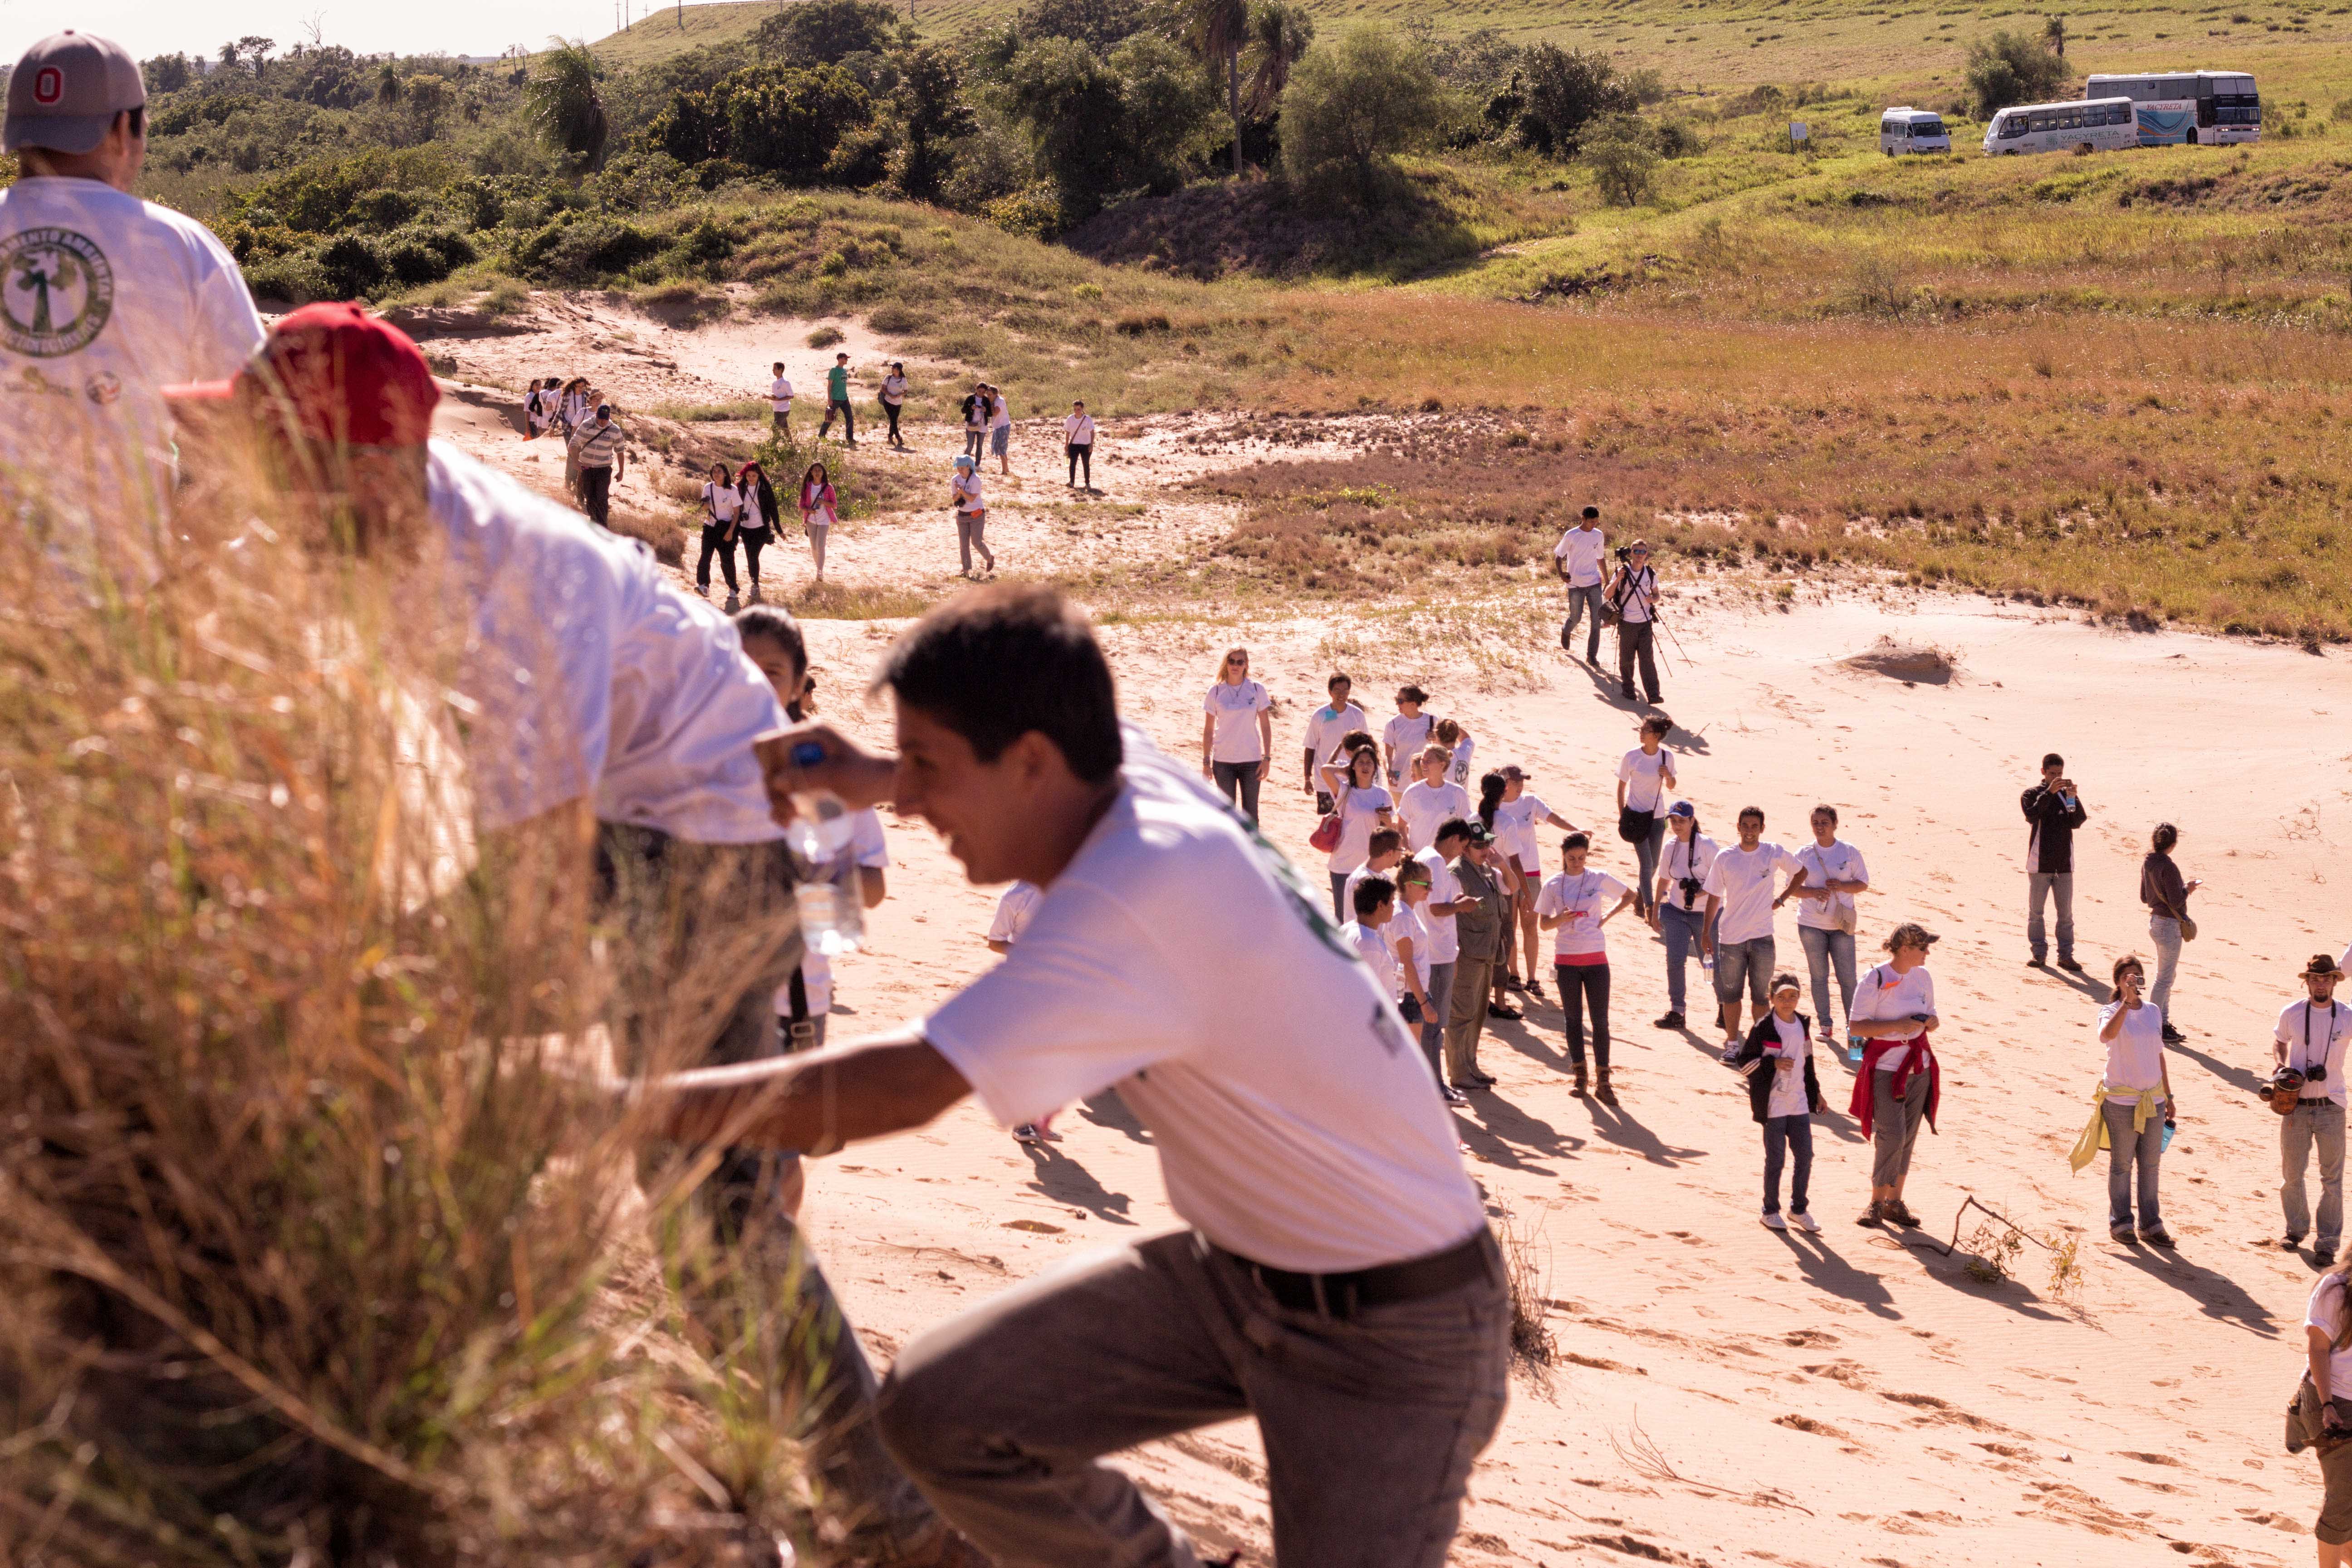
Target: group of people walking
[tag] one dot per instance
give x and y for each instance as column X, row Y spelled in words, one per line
column 595, row 448
column 740, row 508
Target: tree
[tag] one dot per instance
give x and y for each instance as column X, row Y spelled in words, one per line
column 822, row 32
column 1070, row 99
column 1564, row 91
column 1217, row 30
column 1623, row 164
column 1280, row 32
column 2011, row 68
column 563, row 103
column 789, row 122
column 1164, row 108
column 1102, row 23
column 168, row 73
column 2053, row 33
column 931, row 114
column 1349, row 106
column 387, row 83
column 256, row 48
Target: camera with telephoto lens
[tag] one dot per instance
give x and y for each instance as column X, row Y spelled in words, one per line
column 1692, row 890
column 1624, row 553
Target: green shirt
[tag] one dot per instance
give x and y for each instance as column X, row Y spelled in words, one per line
column 836, row 383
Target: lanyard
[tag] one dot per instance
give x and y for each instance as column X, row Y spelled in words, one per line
column 2326, row 1047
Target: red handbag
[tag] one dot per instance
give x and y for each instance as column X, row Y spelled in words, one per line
column 1326, row 836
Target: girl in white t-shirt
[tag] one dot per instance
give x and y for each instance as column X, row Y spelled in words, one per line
column 1783, row 1092
column 1363, row 807
column 723, row 507
column 1900, row 1081
column 1577, row 904
column 1431, row 800
column 2135, row 1104
column 820, row 510
column 1237, row 732
column 1405, row 734
column 1645, row 778
column 1458, row 746
column 1517, row 817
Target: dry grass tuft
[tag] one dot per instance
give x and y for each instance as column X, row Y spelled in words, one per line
column 1532, row 1344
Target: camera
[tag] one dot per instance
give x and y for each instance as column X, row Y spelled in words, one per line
column 1624, row 553
column 1692, row 890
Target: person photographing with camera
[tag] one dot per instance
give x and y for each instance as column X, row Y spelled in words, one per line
column 2055, row 810
column 2308, row 1048
column 2135, row 1105
column 1633, row 599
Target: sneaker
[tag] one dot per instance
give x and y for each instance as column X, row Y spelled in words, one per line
column 2121, row 1234
column 1454, row 1096
column 1803, row 1220
column 1027, row 1133
column 1731, row 1051
column 1872, row 1216
column 1673, row 1020
column 755, row 594
column 2159, row 1236
column 2070, row 966
column 1829, row 1036
column 733, row 604
column 2173, row 1037
column 1772, row 1220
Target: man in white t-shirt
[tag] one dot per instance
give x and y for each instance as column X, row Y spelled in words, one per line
column 1576, row 559
column 1739, row 905
column 780, row 402
column 608, row 714
column 1826, row 916
column 1329, row 724
column 1431, row 799
column 105, row 299
column 1633, row 594
column 1014, row 911
column 1446, row 900
column 2310, row 1039
column 1338, row 1282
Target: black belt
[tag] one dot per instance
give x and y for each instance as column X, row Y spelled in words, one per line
column 1344, row 1295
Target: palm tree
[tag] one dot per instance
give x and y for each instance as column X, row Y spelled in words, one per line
column 1217, row 30
column 1280, row 31
column 562, row 102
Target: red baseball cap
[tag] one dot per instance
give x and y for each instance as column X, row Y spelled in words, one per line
column 339, row 376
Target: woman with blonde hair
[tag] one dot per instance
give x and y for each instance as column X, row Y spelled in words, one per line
column 1900, row 1082
column 1363, row 808
column 1237, row 734
column 819, row 512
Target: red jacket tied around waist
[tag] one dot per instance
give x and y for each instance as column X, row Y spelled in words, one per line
column 1922, row 1058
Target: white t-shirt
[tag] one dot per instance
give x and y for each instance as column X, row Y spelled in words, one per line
column 1406, row 925
column 1743, row 879
column 1179, row 958
column 1677, row 860
column 1787, row 1095
column 592, row 674
column 1236, row 706
column 2136, row 1055
column 1359, row 811
column 1641, row 593
column 780, row 396
column 894, row 388
column 1459, row 770
column 1427, row 807
column 1324, row 728
column 1371, row 945
column 1840, row 862
column 1580, row 548
column 968, row 490
column 1355, row 880
column 1515, row 825
column 1644, row 778
column 816, row 969
column 1405, row 738
column 106, row 300
column 1444, row 888
column 2316, row 1035
column 1584, row 899
column 2326, row 1313
column 1885, row 997
column 1003, row 415
column 721, row 502
column 1013, row 913
column 1078, row 429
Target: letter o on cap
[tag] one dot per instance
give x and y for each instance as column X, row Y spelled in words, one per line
column 49, row 86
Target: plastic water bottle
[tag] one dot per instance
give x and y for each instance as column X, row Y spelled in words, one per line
column 828, row 893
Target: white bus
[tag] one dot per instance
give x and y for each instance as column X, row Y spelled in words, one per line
column 2208, row 107
column 1902, row 130
column 2104, row 124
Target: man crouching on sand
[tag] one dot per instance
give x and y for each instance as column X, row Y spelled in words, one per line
column 1338, row 1281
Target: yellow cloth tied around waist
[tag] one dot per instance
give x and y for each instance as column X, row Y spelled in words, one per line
column 2150, row 1103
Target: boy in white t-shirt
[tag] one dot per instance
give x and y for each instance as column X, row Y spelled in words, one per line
column 1374, row 903
column 1328, row 725
column 1576, row 559
column 780, row 402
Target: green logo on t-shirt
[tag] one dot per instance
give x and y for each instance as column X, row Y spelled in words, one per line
column 56, row 292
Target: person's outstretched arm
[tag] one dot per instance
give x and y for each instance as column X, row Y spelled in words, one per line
column 815, row 1101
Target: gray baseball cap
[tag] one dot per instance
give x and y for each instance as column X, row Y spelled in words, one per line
column 67, row 91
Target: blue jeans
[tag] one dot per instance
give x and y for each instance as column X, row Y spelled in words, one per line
column 2041, row 888
column 1588, row 598
column 2164, row 932
column 2125, row 1149
column 1645, row 853
column 1339, row 893
column 1824, row 948
column 1784, row 1136
column 1238, row 781
column 1432, row 1023
column 1680, row 927
column 1749, row 961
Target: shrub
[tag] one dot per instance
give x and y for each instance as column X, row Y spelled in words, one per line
column 1622, row 167
column 824, row 337
column 1679, row 138
column 296, row 280
column 583, row 250
column 826, row 32
column 414, row 256
column 1350, row 104
column 2009, row 69
column 352, row 268
column 1035, row 211
column 1566, row 91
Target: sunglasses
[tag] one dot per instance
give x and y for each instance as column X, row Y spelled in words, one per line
column 1237, row 659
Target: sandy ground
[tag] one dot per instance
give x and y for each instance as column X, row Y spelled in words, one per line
column 1724, row 1393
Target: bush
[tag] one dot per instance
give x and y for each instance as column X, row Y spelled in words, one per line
column 296, row 280
column 1622, row 167
column 583, row 250
column 415, row 256
column 1350, row 104
column 1564, row 91
column 1679, row 138
column 789, row 123
column 2009, row 69
column 1033, row 211
column 352, row 268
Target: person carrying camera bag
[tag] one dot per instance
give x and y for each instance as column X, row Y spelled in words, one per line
column 2320, row 1416
column 2309, row 1043
column 1634, row 600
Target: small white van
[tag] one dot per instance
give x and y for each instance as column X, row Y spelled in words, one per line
column 1912, row 130
column 2103, row 124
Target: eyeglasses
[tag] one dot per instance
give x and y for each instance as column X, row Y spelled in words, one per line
column 1237, row 659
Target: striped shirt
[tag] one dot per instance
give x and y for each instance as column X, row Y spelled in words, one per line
column 595, row 445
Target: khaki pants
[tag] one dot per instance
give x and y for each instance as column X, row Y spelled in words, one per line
column 1371, row 1424
column 1465, row 1018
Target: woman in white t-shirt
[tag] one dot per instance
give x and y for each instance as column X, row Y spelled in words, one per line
column 1678, row 904
column 894, row 399
column 759, row 513
column 1458, row 746
column 1577, row 904
column 1900, row 1081
column 1363, row 807
column 723, row 507
column 1431, row 800
column 1237, row 734
column 1517, row 817
column 820, row 510
column 1645, row 778
column 2135, row 1104
column 1407, row 733
column 971, row 514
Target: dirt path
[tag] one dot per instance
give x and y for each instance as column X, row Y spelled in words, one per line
column 1725, row 1393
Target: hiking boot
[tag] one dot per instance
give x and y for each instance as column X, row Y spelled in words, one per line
column 2173, row 1037
column 2037, row 962
column 1873, row 1216
column 2159, row 1236
column 1673, row 1020
column 2121, row 1234
column 2069, row 965
column 1579, row 1086
column 1896, row 1210
column 1603, row 1091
